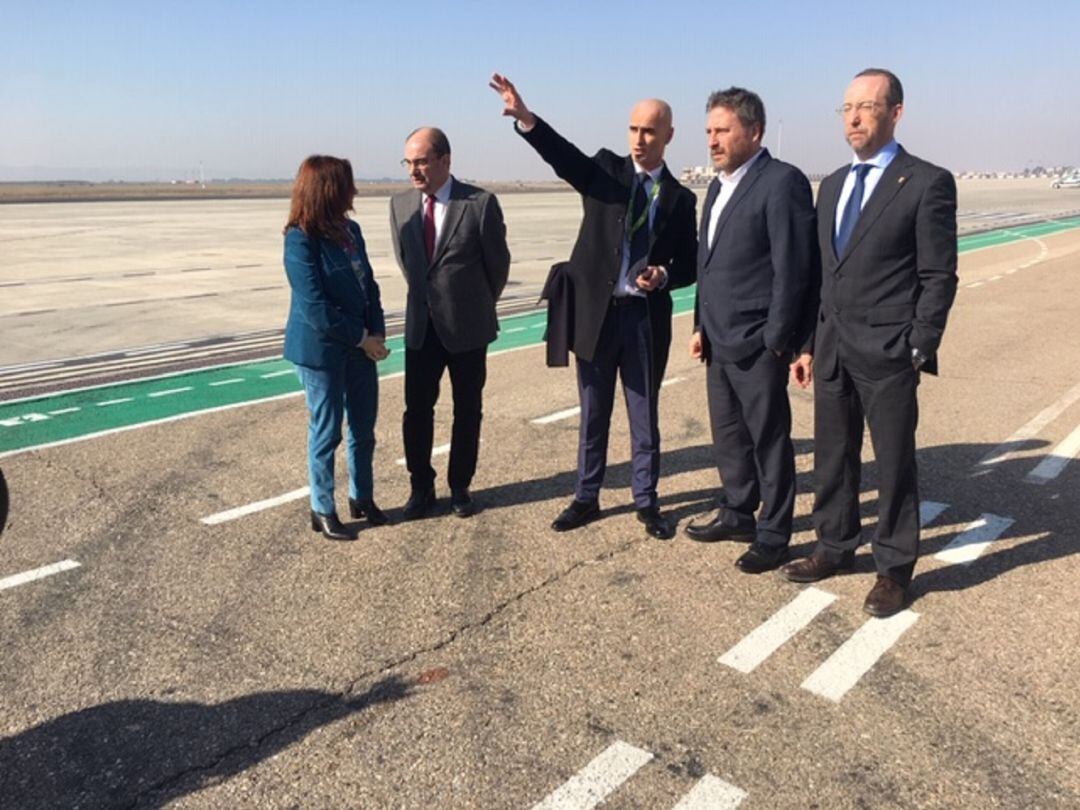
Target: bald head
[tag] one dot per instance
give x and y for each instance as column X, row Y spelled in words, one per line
column 650, row 132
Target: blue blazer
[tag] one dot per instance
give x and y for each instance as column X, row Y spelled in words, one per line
column 330, row 306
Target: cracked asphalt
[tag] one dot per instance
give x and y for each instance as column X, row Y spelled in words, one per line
column 482, row 663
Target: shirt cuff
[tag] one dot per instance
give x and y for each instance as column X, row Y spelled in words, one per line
column 522, row 128
column 363, row 337
column 664, row 277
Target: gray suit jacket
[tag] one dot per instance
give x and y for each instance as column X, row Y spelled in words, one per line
column 467, row 274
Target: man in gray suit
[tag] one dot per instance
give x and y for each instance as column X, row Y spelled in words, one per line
column 450, row 242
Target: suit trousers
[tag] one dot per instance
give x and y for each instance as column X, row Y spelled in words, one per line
column 424, row 368
column 890, row 408
column 750, row 415
column 625, row 350
column 353, row 389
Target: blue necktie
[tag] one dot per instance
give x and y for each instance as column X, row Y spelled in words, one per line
column 850, row 217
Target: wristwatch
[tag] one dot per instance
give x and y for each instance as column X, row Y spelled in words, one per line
column 918, row 358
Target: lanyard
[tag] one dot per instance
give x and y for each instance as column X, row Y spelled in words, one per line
column 644, row 214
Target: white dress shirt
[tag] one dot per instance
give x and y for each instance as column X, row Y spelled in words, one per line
column 728, row 184
column 442, row 197
column 878, row 163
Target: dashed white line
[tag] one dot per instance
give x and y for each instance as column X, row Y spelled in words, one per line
column 672, row 381
column 119, row 401
column 233, row 381
column 276, row 374
column 258, row 506
column 780, row 628
column 37, row 573
column 597, row 780
column 441, row 450
column 929, row 511
column 62, row 411
column 712, row 793
column 1015, row 443
column 557, row 416
column 1051, row 467
column 974, row 540
column 169, row 392
column 515, row 329
column 856, row 656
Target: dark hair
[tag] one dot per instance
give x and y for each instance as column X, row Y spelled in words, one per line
column 744, row 103
column 439, row 142
column 321, row 195
column 895, row 94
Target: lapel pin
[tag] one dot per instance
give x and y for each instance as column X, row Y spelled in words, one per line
column 902, row 179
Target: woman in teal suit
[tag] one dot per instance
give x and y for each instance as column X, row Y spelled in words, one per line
column 334, row 335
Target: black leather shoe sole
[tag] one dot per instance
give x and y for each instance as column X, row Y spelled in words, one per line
column 715, row 534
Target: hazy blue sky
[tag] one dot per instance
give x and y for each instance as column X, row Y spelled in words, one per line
column 151, row 89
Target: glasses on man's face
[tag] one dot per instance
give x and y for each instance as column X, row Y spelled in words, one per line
column 862, row 108
column 419, row 163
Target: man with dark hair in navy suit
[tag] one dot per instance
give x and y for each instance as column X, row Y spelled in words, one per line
column 757, row 272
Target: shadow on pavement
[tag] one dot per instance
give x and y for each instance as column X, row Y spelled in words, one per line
column 146, row 753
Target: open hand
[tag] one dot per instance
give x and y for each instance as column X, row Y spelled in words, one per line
column 515, row 107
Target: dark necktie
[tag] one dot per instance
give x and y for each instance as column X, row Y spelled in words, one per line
column 639, row 217
column 429, row 227
column 850, row 217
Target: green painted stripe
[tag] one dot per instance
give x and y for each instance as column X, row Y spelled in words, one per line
column 62, row 417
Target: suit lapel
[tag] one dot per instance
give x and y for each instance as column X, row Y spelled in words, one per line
column 704, row 249
column 741, row 190
column 892, row 180
column 414, row 229
column 828, row 199
column 455, row 207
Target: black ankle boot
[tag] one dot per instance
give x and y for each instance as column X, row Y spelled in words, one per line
column 331, row 527
column 366, row 508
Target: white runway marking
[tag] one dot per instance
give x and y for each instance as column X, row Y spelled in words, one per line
column 1014, row 443
column 712, row 793
column 770, row 636
column 672, row 381
column 597, row 780
column 1050, row 467
column 557, row 416
column 929, row 511
column 974, row 540
column 62, row 411
column 232, row 381
column 440, row 450
column 169, row 392
column 37, row 573
column 856, row 656
column 281, row 373
column 115, row 401
column 258, row 506
column 515, row 329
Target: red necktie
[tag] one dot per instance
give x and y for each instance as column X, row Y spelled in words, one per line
column 429, row 227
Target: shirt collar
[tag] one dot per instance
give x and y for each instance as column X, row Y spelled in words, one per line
column 740, row 172
column 654, row 175
column 881, row 159
column 442, row 195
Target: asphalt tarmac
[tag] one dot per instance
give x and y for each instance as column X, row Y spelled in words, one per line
column 492, row 663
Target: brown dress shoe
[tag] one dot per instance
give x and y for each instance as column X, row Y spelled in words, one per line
column 885, row 598
column 815, row 567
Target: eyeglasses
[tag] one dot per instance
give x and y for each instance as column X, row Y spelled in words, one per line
column 862, row 108
column 419, row 163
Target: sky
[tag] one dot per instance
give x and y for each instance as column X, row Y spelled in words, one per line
column 101, row 90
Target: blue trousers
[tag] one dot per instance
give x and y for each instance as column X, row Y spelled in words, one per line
column 624, row 351
column 349, row 389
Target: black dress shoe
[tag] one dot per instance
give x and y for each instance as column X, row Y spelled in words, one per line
column 366, row 508
column 576, row 515
column 885, row 598
column 760, row 558
column 461, row 503
column 420, row 502
column 331, row 527
column 655, row 523
column 816, row 566
column 710, row 531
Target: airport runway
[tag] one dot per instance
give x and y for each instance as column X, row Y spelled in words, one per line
column 173, row 634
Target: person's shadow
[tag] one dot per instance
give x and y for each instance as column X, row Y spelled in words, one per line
column 145, row 753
